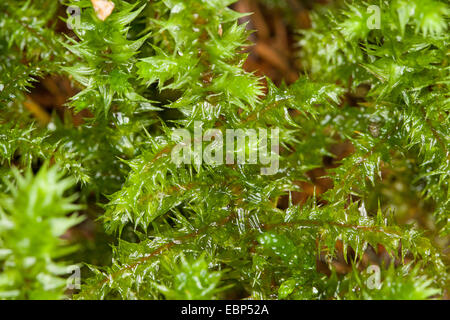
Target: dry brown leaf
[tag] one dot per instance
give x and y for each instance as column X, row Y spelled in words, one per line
column 103, row 8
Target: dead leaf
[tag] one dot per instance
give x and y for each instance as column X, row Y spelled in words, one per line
column 103, row 8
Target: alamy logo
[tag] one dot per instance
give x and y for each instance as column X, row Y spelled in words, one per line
column 102, row 8
column 234, row 146
column 374, row 280
column 73, row 16
column 374, row 21
column 74, row 280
